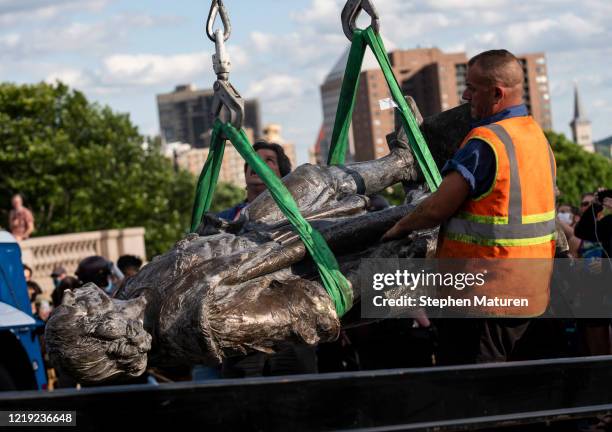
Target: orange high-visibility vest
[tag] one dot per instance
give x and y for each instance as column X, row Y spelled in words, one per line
column 514, row 219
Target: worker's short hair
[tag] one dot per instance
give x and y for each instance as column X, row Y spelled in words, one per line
column 499, row 66
column 284, row 164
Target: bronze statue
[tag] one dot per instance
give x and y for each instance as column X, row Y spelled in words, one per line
column 235, row 287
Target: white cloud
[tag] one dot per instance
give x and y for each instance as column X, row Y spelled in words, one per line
column 152, row 69
column 69, row 76
column 262, row 41
column 155, row 69
column 301, row 48
column 324, row 15
column 276, row 86
column 564, row 32
column 280, row 94
column 284, row 68
column 76, row 37
column 466, row 4
column 14, row 12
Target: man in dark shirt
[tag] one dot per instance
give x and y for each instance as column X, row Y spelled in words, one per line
column 274, row 156
column 595, row 232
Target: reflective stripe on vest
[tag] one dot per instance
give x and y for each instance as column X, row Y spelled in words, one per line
column 513, row 230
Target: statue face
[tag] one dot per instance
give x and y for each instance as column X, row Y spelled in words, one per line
column 97, row 337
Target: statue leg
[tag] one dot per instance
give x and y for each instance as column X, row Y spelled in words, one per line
column 315, row 187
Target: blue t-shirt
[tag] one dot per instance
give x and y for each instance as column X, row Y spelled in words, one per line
column 230, row 213
column 475, row 161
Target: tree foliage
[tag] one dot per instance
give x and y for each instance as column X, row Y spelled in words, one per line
column 83, row 167
column 227, row 195
column 394, row 194
column 578, row 171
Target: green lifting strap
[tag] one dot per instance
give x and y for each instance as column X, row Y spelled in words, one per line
column 346, row 104
column 334, row 281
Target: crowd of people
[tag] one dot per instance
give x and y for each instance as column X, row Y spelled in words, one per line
column 96, row 269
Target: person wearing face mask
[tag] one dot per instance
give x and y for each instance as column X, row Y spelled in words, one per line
column 100, row 271
column 565, row 214
column 566, row 219
column 58, row 275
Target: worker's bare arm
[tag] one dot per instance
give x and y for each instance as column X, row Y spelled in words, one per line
column 434, row 210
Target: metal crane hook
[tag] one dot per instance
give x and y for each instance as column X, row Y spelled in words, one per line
column 217, row 8
column 351, row 11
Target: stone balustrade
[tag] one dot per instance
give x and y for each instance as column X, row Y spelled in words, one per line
column 43, row 254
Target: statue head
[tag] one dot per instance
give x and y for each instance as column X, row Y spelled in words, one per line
column 94, row 338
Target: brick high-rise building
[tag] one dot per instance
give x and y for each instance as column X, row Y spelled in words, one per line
column 536, row 88
column 184, row 115
column 436, row 81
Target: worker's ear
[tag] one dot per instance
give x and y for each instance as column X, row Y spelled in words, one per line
column 499, row 93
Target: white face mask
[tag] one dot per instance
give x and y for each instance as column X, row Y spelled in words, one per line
column 565, row 217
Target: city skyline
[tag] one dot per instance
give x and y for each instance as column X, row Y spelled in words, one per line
column 124, row 53
column 436, row 81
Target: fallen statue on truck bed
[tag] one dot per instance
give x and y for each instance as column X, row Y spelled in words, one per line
column 235, row 287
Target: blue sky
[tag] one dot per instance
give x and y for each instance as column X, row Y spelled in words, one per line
column 124, row 52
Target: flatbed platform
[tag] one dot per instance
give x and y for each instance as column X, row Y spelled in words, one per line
column 532, row 395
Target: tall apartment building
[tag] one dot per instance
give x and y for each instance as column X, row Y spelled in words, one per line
column 537, row 88
column 330, row 93
column 184, row 115
column 436, row 81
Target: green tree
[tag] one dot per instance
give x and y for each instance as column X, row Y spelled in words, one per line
column 578, row 171
column 83, row 167
column 394, row 194
column 227, row 195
